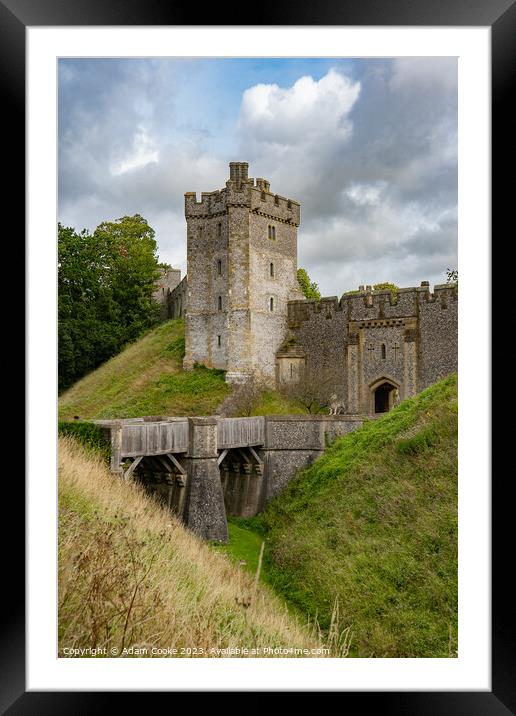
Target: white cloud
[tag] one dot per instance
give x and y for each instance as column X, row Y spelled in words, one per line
column 143, row 152
column 365, row 194
column 371, row 157
column 309, row 111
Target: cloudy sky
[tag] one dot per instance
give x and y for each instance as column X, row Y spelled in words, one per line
column 368, row 147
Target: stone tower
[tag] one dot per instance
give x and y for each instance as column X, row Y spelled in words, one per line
column 242, row 271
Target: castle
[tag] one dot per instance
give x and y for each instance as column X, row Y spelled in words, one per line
column 245, row 314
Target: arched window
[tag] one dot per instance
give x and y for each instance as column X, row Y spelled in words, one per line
column 383, row 350
column 271, row 270
column 218, row 341
column 219, row 267
column 220, row 303
column 271, row 303
column 219, row 230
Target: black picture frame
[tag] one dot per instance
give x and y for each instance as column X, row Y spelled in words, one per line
column 500, row 16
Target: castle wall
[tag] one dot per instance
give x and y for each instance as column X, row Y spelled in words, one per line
column 321, row 331
column 176, row 300
column 167, row 282
column 277, row 257
column 207, row 243
column 239, row 352
column 438, row 328
column 410, row 340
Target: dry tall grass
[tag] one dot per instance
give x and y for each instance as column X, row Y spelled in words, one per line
column 132, row 577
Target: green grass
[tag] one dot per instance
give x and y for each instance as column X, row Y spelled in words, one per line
column 131, row 575
column 273, row 403
column 372, row 525
column 146, row 379
column 243, row 547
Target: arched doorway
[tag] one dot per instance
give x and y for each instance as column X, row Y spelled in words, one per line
column 383, row 395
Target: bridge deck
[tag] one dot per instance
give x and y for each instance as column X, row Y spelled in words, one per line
column 162, row 435
column 240, row 432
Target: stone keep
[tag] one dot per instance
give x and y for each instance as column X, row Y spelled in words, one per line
column 242, row 272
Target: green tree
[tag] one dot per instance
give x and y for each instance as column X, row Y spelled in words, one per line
column 105, row 285
column 309, row 288
column 134, row 269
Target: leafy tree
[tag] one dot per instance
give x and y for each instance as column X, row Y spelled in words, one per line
column 309, row 288
column 105, row 285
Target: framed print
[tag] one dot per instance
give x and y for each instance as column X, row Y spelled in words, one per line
column 259, row 231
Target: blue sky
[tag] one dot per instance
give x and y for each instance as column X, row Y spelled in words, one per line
column 368, row 147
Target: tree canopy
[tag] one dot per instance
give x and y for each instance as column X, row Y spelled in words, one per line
column 105, row 285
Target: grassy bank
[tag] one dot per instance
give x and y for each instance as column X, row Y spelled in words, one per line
column 372, row 526
column 147, row 378
column 131, row 577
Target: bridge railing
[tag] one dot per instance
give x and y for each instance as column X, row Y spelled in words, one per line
column 144, row 438
column 240, row 432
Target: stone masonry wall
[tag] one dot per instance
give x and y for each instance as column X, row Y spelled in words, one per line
column 176, row 300
column 411, row 341
column 231, row 323
column 167, row 282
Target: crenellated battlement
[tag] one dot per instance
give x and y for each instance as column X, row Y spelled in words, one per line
column 274, row 206
column 241, row 191
column 366, row 304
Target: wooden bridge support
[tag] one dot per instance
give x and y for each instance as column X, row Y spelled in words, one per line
column 218, row 466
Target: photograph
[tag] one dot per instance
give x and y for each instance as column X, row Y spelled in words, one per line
column 257, row 316
column 258, row 420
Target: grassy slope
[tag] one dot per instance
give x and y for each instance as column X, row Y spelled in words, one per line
column 130, row 574
column 147, row 379
column 373, row 525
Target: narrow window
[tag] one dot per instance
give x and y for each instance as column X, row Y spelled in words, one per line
column 273, row 233
column 289, row 204
column 271, row 270
column 220, row 303
column 271, row 304
column 276, row 200
column 219, row 267
column 263, row 196
column 269, row 231
column 291, row 370
column 218, row 341
column 383, row 350
column 219, row 230
column 200, row 232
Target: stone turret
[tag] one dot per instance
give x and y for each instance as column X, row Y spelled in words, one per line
column 242, row 271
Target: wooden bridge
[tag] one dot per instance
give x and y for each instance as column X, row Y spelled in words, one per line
column 205, row 468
